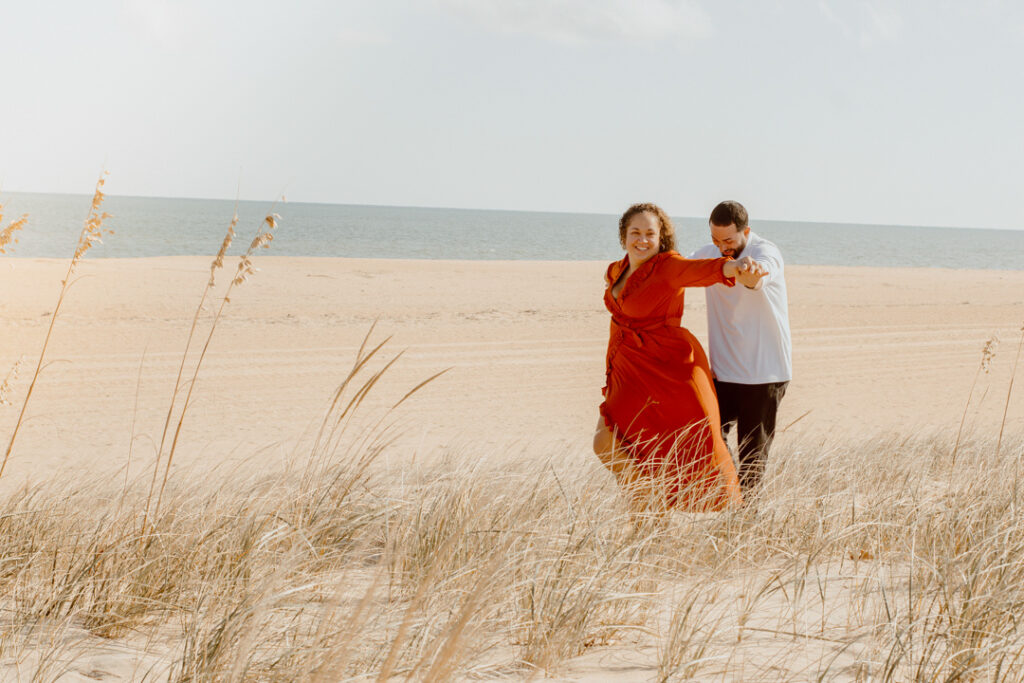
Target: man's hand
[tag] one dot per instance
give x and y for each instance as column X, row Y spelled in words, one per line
column 749, row 272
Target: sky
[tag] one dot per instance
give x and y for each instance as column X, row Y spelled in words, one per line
column 806, row 110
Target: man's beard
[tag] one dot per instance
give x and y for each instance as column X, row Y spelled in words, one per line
column 734, row 253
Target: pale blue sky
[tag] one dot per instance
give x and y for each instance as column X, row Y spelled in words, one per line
column 818, row 110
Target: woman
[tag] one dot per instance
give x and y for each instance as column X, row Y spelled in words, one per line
column 659, row 431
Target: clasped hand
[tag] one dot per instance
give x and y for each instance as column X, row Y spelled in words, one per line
column 746, row 270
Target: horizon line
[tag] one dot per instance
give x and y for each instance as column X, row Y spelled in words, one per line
column 506, row 210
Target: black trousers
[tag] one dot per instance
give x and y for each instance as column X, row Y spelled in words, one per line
column 752, row 408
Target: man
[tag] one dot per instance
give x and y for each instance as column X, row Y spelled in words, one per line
column 748, row 339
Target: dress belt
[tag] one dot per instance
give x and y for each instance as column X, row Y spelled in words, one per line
column 641, row 325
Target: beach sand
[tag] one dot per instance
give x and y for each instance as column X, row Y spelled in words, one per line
column 874, row 350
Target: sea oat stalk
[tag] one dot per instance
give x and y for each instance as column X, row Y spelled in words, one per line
column 218, row 262
column 1009, row 390
column 988, row 352
column 92, row 233
column 264, row 236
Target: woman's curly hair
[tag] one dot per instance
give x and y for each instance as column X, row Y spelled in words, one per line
column 668, row 232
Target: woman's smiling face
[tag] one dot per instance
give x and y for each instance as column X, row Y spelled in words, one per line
column 643, row 237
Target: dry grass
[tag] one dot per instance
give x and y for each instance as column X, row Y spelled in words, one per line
column 92, row 233
column 873, row 558
column 863, row 560
column 264, row 236
column 8, row 235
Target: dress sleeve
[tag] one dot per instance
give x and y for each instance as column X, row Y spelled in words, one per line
column 704, row 272
column 612, row 273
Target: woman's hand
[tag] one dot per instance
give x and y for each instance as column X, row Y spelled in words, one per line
column 731, row 268
column 747, row 271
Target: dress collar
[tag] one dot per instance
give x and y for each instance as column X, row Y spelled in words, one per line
column 638, row 277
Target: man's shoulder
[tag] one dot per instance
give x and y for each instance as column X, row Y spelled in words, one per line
column 761, row 246
column 707, row 251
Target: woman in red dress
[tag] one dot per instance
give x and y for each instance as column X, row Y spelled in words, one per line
column 660, row 432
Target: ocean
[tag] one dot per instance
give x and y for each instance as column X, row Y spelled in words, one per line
column 150, row 226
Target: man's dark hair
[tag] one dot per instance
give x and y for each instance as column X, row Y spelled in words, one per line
column 730, row 213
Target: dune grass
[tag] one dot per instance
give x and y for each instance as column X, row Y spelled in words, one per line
column 92, row 232
column 877, row 557
column 8, row 235
column 862, row 561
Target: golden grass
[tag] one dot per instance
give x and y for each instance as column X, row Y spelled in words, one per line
column 264, row 236
column 92, row 233
column 862, row 560
column 8, row 235
column 8, row 238
column 867, row 558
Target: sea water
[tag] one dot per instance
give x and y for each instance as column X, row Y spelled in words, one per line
column 149, row 226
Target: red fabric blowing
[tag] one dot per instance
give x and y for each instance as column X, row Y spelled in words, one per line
column 659, row 399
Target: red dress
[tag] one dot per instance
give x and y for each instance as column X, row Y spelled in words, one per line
column 659, row 399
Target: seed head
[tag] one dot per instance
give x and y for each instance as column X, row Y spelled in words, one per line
column 93, row 230
column 229, row 236
column 7, row 234
column 988, row 352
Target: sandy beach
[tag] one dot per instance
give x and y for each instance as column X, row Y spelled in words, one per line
column 884, row 362
column 875, row 350
column 359, row 449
